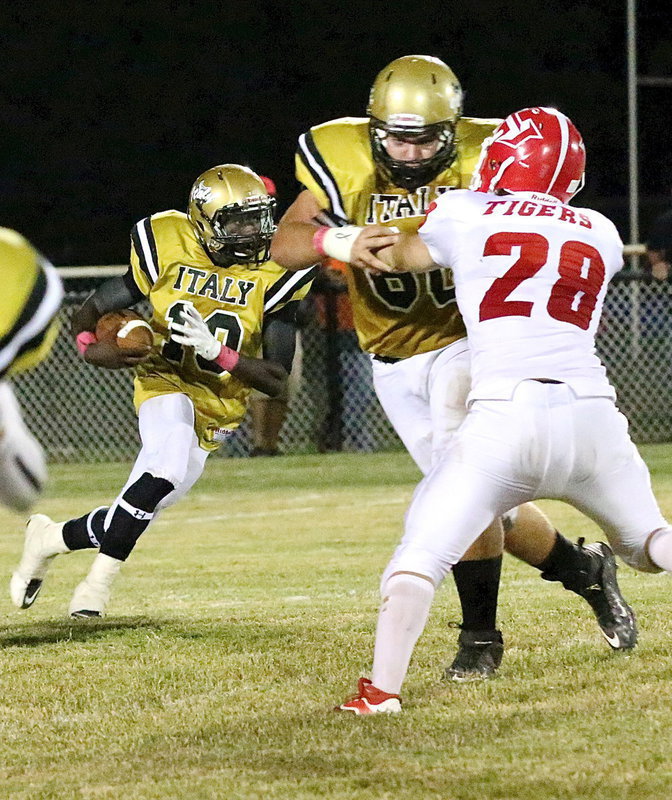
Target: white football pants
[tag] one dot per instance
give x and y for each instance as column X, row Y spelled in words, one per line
column 425, row 397
column 543, row 443
column 170, row 447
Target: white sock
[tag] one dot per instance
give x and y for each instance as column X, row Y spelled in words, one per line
column 104, row 570
column 401, row 620
column 660, row 549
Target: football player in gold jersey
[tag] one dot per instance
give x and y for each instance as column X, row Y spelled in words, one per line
column 385, row 169
column 217, row 304
column 30, row 299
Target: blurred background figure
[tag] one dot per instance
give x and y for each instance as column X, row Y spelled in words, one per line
column 30, row 299
column 268, row 414
column 659, row 246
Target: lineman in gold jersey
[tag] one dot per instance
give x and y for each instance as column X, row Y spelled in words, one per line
column 386, row 169
column 30, row 299
column 217, row 304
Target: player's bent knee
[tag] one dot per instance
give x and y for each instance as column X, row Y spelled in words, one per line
column 167, row 469
column 658, row 550
column 641, row 558
column 148, row 491
column 416, row 561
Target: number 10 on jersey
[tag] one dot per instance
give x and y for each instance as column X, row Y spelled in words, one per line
column 226, row 322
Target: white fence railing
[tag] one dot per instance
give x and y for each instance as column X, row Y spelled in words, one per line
column 84, row 414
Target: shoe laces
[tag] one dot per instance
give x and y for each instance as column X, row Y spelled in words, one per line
column 362, row 685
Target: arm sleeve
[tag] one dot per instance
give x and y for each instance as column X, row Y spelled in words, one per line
column 117, row 293
column 279, row 338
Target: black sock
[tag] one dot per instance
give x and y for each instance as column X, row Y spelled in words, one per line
column 568, row 563
column 86, row 531
column 478, row 587
column 133, row 514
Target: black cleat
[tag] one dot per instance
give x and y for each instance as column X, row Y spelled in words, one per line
column 479, row 655
column 614, row 616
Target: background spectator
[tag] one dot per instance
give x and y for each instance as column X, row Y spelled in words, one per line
column 659, row 246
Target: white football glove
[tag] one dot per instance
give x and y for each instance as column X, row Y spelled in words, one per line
column 193, row 332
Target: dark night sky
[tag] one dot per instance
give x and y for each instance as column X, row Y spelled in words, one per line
column 110, row 110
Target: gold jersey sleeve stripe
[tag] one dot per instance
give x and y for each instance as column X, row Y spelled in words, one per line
column 314, row 162
column 28, row 332
column 36, row 350
column 144, row 243
column 286, row 287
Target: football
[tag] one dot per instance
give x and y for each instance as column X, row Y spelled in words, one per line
column 126, row 328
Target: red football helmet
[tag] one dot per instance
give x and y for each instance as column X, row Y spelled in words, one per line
column 533, row 150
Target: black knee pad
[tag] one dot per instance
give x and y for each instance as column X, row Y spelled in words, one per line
column 147, row 492
column 132, row 517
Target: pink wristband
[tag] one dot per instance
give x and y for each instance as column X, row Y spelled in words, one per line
column 84, row 339
column 318, row 238
column 227, row 358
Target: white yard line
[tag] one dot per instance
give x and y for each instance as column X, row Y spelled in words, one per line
column 274, row 512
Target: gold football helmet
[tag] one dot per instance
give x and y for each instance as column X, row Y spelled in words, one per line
column 418, row 99
column 232, row 214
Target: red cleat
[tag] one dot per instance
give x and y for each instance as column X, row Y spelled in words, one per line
column 370, row 700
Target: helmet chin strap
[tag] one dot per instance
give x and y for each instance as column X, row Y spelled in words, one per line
column 500, row 172
column 576, row 186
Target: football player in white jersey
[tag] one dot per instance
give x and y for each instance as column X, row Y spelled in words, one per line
column 385, row 170
column 531, row 274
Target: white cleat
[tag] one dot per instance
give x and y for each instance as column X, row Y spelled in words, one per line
column 43, row 542
column 92, row 595
column 89, row 600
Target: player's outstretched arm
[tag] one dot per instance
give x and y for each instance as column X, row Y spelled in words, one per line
column 292, row 246
column 375, row 247
column 408, row 254
column 258, row 373
column 111, row 296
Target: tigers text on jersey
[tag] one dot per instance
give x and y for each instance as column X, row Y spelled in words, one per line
column 30, row 299
column 394, row 315
column 530, row 274
column 171, row 268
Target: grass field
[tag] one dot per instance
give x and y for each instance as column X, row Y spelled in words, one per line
column 249, row 610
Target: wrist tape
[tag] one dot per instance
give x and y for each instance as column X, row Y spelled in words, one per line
column 336, row 242
column 84, row 339
column 227, row 358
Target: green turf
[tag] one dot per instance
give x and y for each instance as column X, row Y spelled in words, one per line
column 248, row 611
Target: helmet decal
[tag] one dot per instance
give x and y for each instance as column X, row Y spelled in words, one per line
column 201, row 192
column 535, row 149
column 515, row 131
